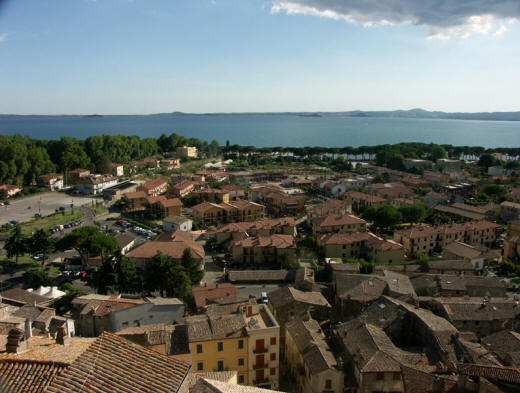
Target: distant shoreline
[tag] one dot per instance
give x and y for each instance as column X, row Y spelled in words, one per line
column 402, row 114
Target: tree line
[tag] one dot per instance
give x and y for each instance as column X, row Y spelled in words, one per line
column 23, row 159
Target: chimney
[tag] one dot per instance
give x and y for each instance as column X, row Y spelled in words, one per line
column 15, row 341
column 28, row 328
column 60, row 336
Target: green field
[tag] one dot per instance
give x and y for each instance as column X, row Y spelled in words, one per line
column 50, row 221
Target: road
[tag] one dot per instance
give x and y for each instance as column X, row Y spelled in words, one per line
column 24, row 209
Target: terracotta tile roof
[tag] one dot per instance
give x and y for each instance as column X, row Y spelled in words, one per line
column 332, row 206
column 183, row 184
column 28, row 376
column 155, row 199
column 285, row 296
column 213, row 327
column 170, row 202
column 364, row 197
column 222, row 376
column 205, row 385
column 113, row 364
column 344, row 238
column 22, row 296
column 46, row 349
column 154, row 183
column 249, row 226
column 274, row 241
column 205, row 206
column 476, row 309
column 503, row 374
column 203, row 293
column 136, row 195
column 417, row 381
column 338, row 219
column 464, row 250
column 231, row 187
column 459, row 212
column 312, row 345
column 173, row 249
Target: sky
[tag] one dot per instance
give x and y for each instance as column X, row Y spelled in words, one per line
column 152, row 56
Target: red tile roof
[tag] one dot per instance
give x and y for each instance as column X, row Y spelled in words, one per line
column 113, row 364
column 202, row 294
column 28, row 376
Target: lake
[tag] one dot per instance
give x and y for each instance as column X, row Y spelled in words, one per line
column 276, row 130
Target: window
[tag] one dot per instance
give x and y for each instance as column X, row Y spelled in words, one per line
column 273, row 356
column 273, row 340
column 199, row 348
column 240, row 344
column 220, row 346
column 240, row 361
column 241, row 378
column 272, row 371
column 397, row 376
column 328, row 384
column 200, row 366
column 125, row 324
column 220, row 365
column 380, row 376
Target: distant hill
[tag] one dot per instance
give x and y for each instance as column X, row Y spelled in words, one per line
column 416, row 113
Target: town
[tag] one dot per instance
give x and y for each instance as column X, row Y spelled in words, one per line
column 178, row 265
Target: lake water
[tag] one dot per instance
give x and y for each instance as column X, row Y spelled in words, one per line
column 277, row 130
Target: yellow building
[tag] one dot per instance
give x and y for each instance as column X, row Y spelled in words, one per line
column 246, row 342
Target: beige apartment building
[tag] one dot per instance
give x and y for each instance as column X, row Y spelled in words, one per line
column 338, row 223
column 187, row 152
column 264, row 250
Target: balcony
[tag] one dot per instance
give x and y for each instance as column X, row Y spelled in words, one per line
column 264, row 350
column 260, row 366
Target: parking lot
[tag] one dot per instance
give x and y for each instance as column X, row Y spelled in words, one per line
column 24, row 209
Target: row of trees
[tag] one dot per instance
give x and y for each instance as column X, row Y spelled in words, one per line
column 387, row 217
column 161, row 274
column 407, row 150
column 23, row 159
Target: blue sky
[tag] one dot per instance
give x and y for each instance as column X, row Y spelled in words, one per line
column 149, row 56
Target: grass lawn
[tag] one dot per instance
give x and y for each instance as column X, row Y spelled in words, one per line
column 50, row 221
column 98, row 209
column 24, row 262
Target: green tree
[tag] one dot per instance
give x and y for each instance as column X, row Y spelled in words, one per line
column 16, row 244
column 41, row 243
column 415, row 213
column 88, row 241
column 191, row 267
column 486, row 160
column 437, row 152
column 39, row 278
column 387, row 217
column 494, row 192
column 117, row 274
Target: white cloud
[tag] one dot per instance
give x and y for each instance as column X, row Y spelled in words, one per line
column 443, row 19
column 3, row 36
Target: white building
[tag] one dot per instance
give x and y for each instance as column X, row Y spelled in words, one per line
column 95, row 184
column 177, row 223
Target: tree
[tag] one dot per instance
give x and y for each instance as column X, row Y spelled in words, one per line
column 64, row 303
column 414, row 213
column 387, row 217
column 190, row 266
column 494, row 192
column 16, row 244
column 486, row 160
column 41, row 243
column 88, row 241
column 437, row 152
column 178, row 283
column 117, row 274
column 39, row 278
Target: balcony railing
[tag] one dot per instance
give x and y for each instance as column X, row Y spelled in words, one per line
column 260, row 366
column 263, row 350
